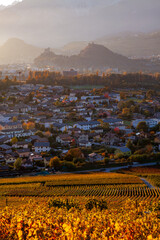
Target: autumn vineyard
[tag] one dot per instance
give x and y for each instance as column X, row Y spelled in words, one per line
column 89, row 206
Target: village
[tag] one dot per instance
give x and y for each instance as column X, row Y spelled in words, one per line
column 54, row 128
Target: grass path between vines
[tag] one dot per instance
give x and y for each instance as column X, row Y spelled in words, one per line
column 148, row 183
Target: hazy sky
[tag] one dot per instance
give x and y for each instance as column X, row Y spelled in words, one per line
column 6, row 2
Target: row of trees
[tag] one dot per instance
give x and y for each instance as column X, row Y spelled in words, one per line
column 127, row 80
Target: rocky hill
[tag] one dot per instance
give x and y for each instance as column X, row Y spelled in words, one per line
column 136, row 45
column 93, row 56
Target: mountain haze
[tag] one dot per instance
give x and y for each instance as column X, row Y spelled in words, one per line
column 128, row 44
column 138, row 45
column 54, row 23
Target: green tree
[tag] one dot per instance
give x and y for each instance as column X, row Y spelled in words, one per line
column 18, row 163
column 130, row 145
column 106, row 161
column 142, row 126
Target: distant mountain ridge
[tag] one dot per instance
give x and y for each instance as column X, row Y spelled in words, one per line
column 17, row 51
column 131, row 45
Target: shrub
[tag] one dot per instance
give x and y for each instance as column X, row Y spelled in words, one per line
column 62, row 204
column 93, row 203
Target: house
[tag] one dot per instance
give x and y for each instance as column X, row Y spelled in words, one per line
column 20, row 145
column 72, row 97
column 2, row 159
column 113, row 121
column 10, row 125
column 94, row 157
column 46, row 161
column 97, row 130
column 46, row 122
column 18, row 132
column 10, row 158
column 26, row 163
column 33, row 108
column 99, row 100
column 64, row 139
column 115, row 97
column 23, row 153
column 35, row 157
column 82, row 137
column 4, row 118
column 84, row 143
column 70, row 73
column 39, row 139
column 41, row 147
column 126, row 151
column 151, row 122
column 61, row 127
column 4, row 139
column 111, row 139
column 74, row 131
column 87, row 125
column 25, row 133
column 5, row 147
column 23, row 108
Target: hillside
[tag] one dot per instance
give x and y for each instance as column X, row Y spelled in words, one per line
column 17, row 51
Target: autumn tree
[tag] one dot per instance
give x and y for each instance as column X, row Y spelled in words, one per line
column 123, row 95
column 40, row 134
column 47, row 134
column 150, row 94
column 55, row 163
column 24, row 126
column 104, row 125
column 14, row 119
column 14, row 140
column 74, row 153
column 28, row 126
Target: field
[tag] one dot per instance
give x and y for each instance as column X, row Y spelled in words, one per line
column 90, row 206
column 152, row 174
column 115, row 187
